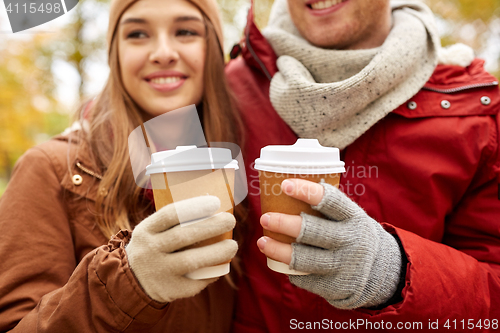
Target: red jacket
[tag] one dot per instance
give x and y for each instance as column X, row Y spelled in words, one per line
column 430, row 175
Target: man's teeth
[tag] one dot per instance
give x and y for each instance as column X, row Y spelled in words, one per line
column 325, row 4
column 165, row 80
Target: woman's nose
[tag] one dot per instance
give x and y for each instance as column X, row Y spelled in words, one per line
column 164, row 51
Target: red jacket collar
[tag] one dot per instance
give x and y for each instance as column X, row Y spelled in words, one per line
column 256, row 50
column 449, row 77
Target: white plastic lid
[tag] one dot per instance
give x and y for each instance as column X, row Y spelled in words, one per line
column 190, row 158
column 306, row 156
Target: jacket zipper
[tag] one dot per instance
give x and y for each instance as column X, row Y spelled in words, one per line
column 87, row 171
column 470, row 86
column 254, row 55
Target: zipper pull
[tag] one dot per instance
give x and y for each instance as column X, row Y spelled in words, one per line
column 235, row 51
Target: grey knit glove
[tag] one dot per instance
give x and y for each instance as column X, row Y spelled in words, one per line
column 152, row 249
column 354, row 262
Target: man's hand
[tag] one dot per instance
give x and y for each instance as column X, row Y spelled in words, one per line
column 353, row 261
column 290, row 225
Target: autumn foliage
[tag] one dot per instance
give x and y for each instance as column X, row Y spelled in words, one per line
column 30, row 112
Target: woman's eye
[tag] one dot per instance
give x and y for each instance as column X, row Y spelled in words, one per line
column 184, row 32
column 136, row 34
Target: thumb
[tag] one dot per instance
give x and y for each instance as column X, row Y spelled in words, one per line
column 303, row 190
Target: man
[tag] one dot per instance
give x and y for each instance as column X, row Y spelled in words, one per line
column 418, row 247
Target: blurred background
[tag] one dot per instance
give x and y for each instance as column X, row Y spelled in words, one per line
column 46, row 71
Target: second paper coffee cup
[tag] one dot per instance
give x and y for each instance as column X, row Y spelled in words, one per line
column 188, row 172
column 306, row 159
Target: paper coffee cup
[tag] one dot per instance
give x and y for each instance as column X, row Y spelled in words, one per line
column 306, row 159
column 189, row 172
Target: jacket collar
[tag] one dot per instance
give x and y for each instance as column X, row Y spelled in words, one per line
column 463, row 89
column 451, row 79
column 256, row 50
column 73, row 159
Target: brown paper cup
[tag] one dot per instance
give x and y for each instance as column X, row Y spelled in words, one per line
column 273, row 199
column 170, row 187
column 306, row 159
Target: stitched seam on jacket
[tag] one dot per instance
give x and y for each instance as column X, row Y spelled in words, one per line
column 490, row 158
column 134, row 287
column 130, row 319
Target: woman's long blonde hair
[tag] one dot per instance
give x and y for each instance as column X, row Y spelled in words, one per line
column 113, row 115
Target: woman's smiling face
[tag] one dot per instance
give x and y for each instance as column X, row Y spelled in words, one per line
column 161, row 50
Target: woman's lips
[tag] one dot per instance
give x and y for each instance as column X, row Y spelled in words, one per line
column 166, row 85
column 324, row 11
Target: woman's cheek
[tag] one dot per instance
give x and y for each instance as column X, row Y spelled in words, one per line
column 131, row 63
column 201, row 69
column 196, row 55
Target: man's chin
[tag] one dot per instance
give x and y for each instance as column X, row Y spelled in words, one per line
column 324, row 38
column 325, row 43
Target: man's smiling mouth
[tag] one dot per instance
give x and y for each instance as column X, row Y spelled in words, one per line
column 324, row 4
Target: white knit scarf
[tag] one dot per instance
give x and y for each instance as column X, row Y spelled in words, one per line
column 337, row 95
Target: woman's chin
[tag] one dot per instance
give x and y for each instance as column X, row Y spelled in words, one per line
column 162, row 108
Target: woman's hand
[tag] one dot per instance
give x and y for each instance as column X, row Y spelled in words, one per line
column 354, row 262
column 153, row 252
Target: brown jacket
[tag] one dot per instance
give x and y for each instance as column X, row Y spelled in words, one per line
column 58, row 275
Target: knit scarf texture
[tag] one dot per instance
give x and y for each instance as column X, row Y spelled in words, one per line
column 337, row 95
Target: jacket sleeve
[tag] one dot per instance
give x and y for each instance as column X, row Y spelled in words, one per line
column 459, row 278
column 42, row 287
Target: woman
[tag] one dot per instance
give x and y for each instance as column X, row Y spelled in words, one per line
column 67, row 197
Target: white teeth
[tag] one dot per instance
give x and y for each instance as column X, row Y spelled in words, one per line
column 165, row 80
column 325, row 4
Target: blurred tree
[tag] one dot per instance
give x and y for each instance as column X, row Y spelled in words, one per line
column 29, row 110
column 30, row 113
column 230, row 9
column 81, row 41
column 28, row 107
column 234, row 14
column 261, row 12
column 472, row 22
